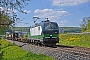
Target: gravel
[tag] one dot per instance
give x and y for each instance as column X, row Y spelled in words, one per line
column 58, row 55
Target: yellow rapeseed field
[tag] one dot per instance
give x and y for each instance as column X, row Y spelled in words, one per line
column 82, row 40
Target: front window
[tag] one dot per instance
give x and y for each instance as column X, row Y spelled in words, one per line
column 51, row 26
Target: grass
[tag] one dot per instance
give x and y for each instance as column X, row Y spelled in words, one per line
column 88, row 30
column 81, row 40
column 12, row 52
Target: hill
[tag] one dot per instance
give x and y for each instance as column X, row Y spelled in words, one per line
column 71, row 29
column 23, row 29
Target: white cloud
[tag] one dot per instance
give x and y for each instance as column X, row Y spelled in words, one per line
column 63, row 23
column 68, row 2
column 27, row 11
column 50, row 13
column 1, row 9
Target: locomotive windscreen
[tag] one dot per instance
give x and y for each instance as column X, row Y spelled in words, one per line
column 51, row 26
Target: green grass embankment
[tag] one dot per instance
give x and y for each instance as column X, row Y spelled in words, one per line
column 12, row 52
column 81, row 40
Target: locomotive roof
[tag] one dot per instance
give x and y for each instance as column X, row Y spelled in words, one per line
column 41, row 23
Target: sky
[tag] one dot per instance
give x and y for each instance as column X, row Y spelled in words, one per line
column 67, row 13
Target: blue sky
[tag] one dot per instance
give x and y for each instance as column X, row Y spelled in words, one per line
column 67, row 13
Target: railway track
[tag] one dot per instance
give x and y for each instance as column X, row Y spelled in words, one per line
column 81, row 51
column 69, row 50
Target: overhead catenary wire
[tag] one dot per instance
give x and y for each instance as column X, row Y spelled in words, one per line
column 77, row 10
column 71, row 7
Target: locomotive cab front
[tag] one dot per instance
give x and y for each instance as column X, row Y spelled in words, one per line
column 50, row 33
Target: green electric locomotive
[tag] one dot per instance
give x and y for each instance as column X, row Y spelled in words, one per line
column 44, row 33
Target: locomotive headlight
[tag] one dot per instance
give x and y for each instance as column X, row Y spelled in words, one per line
column 50, row 35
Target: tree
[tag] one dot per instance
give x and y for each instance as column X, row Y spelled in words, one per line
column 5, row 23
column 8, row 7
column 13, row 5
column 5, row 20
column 85, row 24
column 7, row 11
column 88, row 24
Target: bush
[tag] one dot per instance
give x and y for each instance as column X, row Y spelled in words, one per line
column 5, row 43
